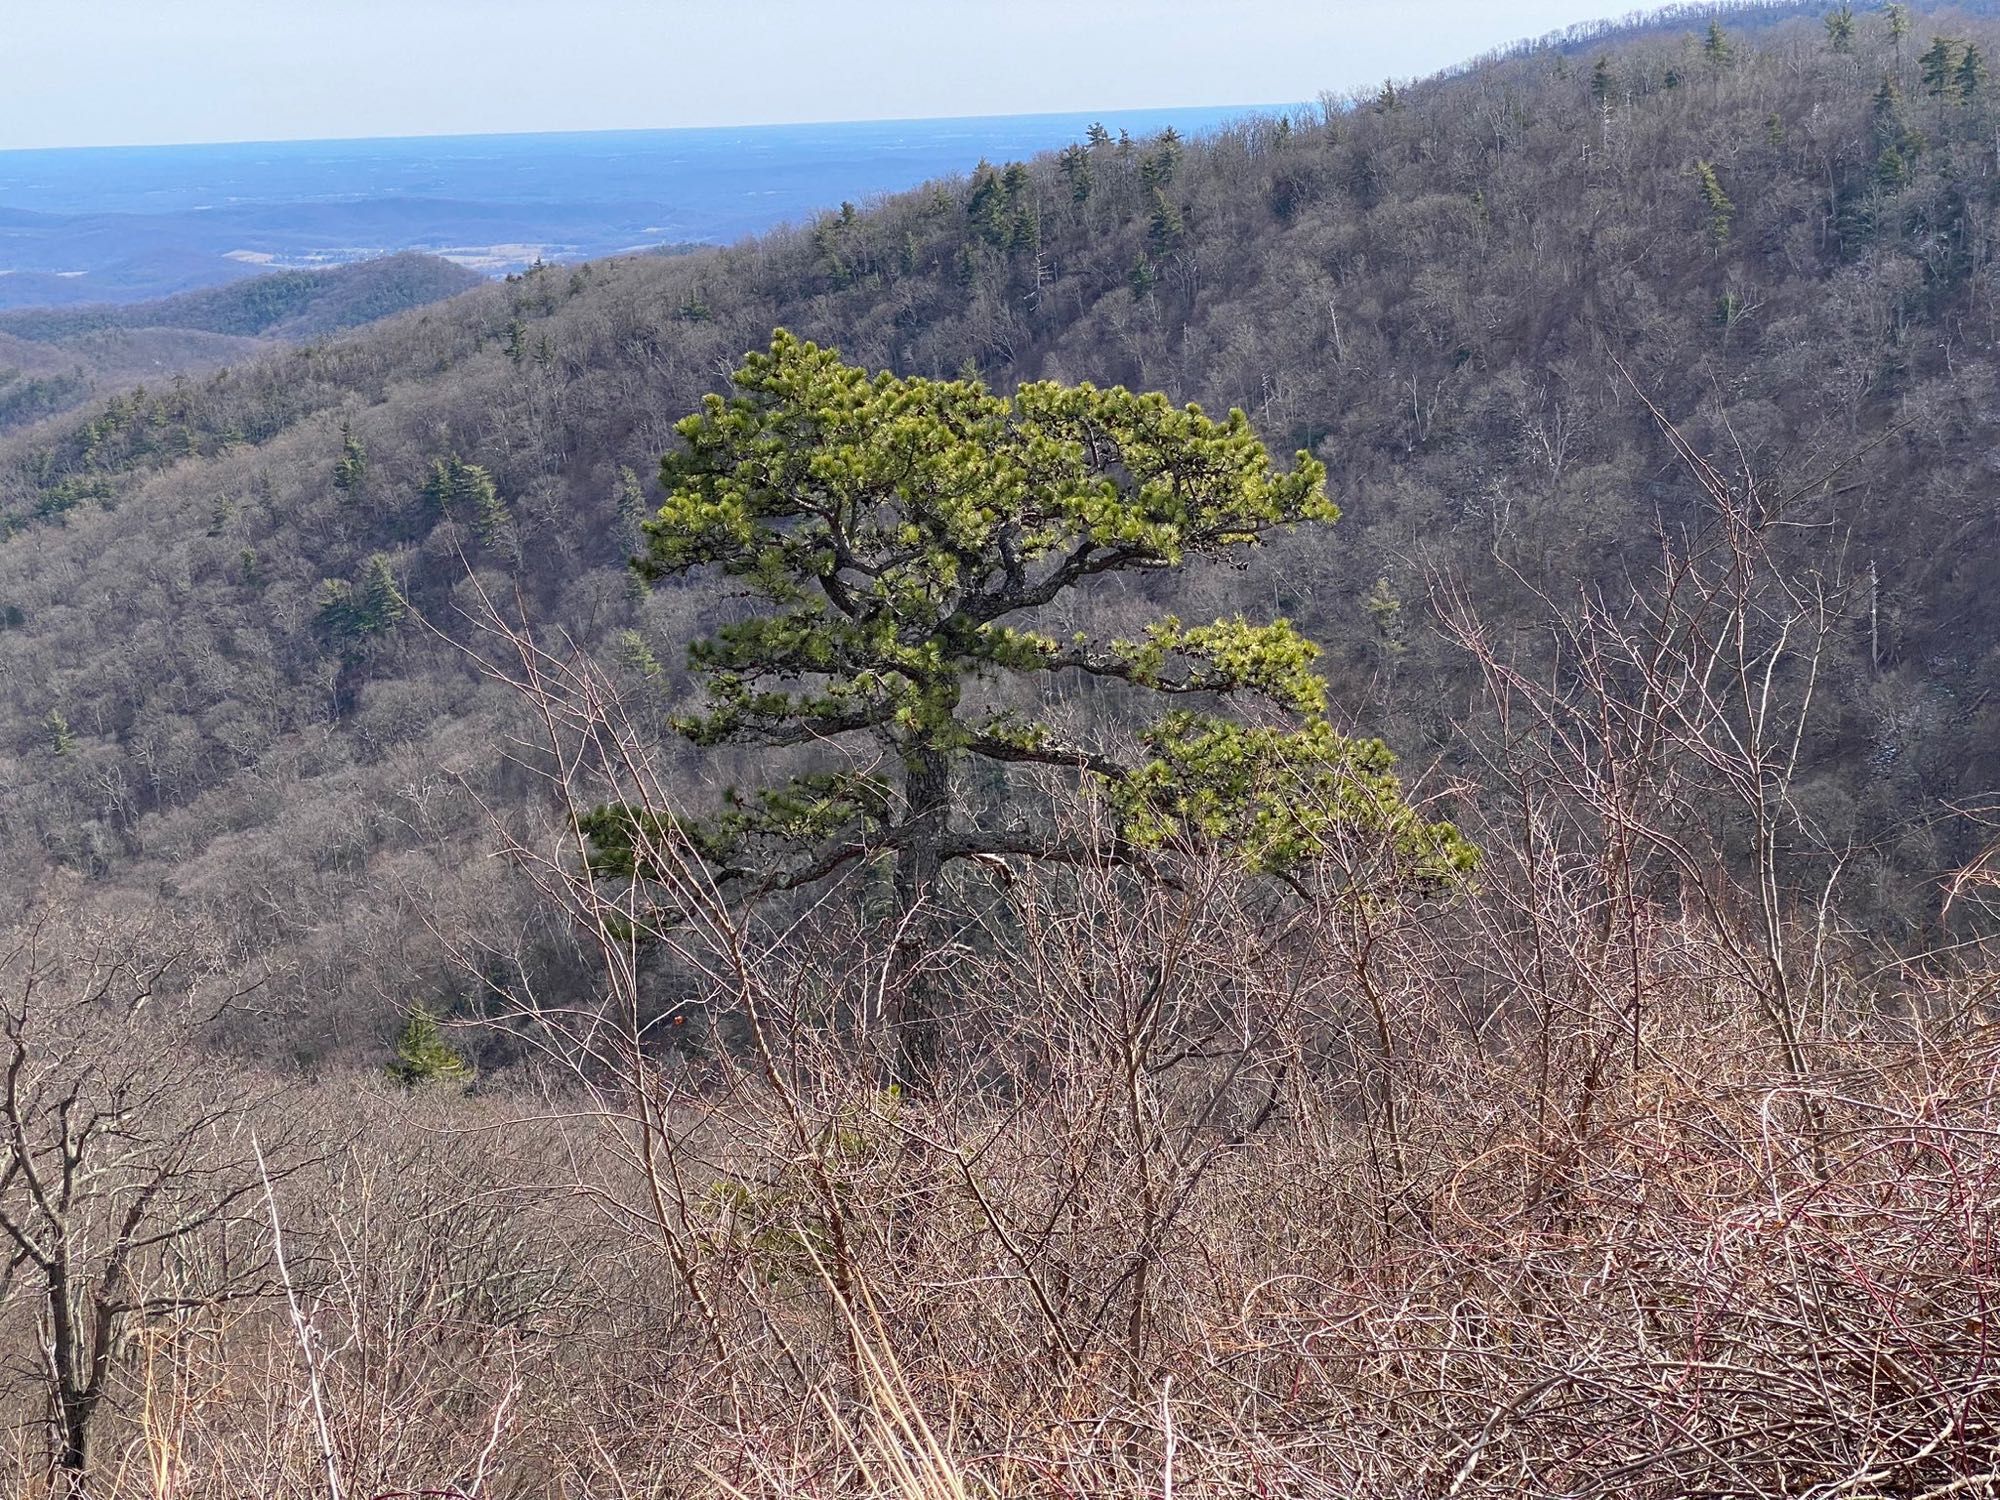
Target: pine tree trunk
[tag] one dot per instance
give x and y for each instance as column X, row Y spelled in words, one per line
column 912, row 1010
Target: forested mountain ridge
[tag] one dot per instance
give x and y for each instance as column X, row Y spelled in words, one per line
column 52, row 359
column 1466, row 295
column 281, row 305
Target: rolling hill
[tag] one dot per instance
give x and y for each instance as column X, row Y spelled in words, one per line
column 52, row 358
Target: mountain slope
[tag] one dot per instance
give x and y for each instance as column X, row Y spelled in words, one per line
column 283, row 305
column 52, row 358
column 1466, row 295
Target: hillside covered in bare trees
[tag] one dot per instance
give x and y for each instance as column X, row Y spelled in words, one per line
column 410, row 1086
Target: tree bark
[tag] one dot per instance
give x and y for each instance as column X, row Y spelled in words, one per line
column 912, row 1004
column 75, row 1399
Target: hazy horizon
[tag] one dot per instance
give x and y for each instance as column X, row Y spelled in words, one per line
column 1110, row 116
column 125, row 74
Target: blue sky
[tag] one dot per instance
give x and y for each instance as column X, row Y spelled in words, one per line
column 132, row 72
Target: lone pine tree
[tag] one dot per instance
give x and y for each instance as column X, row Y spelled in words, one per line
column 903, row 539
column 423, row 1056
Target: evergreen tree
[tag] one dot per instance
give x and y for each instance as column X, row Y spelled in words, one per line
column 632, row 510
column 1385, row 609
column 379, row 605
column 466, row 492
column 904, row 536
column 830, row 238
column 1158, row 168
column 1897, row 19
column 1023, row 227
column 1886, row 112
column 1938, row 68
column 1001, row 207
column 1840, row 29
column 351, row 468
column 1165, row 228
column 1896, row 145
column 1603, row 82
column 987, row 206
column 1721, row 212
column 635, row 655
column 1716, row 47
column 1097, row 135
column 1075, row 165
column 422, row 1054
column 353, row 615
column 1971, row 80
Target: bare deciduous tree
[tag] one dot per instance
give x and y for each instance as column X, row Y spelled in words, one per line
column 128, row 1181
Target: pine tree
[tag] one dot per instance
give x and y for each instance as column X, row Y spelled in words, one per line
column 466, row 492
column 1385, row 609
column 1603, row 82
column 422, row 1054
column 632, row 510
column 1840, row 29
column 901, row 538
column 694, row 306
column 1157, row 169
column 986, row 206
column 351, row 468
column 1938, row 68
column 1886, row 112
column 1721, row 212
column 1897, row 19
column 1717, row 48
column 1075, row 165
column 832, row 238
column 1165, row 228
column 379, row 605
column 1895, row 143
column 635, row 655
column 1023, row 227
column 1971, row 79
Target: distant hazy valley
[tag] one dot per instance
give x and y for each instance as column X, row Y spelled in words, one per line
column 122, row 225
